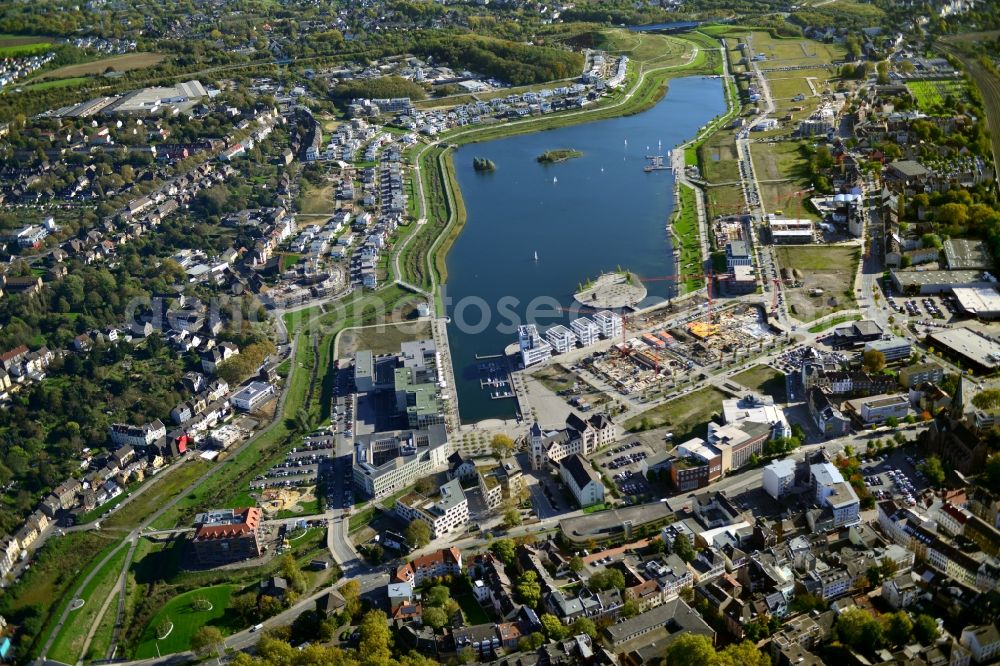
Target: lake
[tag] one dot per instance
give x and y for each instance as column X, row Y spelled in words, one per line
column 582, row 217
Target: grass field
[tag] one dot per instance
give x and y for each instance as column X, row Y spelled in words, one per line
column 186, row 620
column 687, row 234
column 765, row 379
column 830, row 268
column 835, row 321
column 69, row 642
column 57, row 83
column 18, row 46
column 647, row 47
column 685, row 417
column 162, row 490
column 316, row 200
column 121, row 63
column 931, row 94
column 381, row 339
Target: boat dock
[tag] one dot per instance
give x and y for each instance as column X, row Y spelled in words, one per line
column 494, row 375
column 655, row 164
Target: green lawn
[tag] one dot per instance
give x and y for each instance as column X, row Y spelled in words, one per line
column 187, row 620
column 473, row 612
column 57, row 83
column 765, row 379
column 931, row 94
column 69, row 642
column 688, row 237
column 830, row 323
column 686, row 417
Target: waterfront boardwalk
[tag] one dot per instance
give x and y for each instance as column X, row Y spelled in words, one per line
column 612, row 291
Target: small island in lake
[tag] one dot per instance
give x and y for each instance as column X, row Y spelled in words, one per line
column 559, row 155
column 483, row 164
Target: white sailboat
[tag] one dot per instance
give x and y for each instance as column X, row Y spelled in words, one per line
column 554, row 180
column 536, row 255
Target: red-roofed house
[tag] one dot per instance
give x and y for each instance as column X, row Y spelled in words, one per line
column 226, row 535
column 442, row 563
column 951, row 519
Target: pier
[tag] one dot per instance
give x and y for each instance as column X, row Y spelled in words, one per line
column 655, row 164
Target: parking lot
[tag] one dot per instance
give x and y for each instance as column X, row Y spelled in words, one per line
column 923, row 307
column 895, row 476
column 622, row 465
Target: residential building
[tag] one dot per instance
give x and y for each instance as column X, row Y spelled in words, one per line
column 832, row 491
column 252, row 396
column 445, row 512
column 548, row 447
column 779, row 477
column 609, row 324
column 533, row 348
column 894, row 348
column 581, row 479
column 445, row 562
column 10, row 551
column 983, row 641
column 912, row 376
column 668, row 620
column 900, row 592
column 561, row 338
column 223, row 536
column 737, row 254
column 387, row 462
column 138, row 437
column 587, row 332
column 827, row 417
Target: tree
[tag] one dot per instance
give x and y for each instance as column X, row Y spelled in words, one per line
column 987, row 399
column 925, row 629
column 584, row 625
column 933, row 470
column 607, row 579
column 351, row 591
column 269, row 606
column 682, row 548
column 291, row 572
column 418, row 533
column 576, row 564
column 553, row 628
column 690, row 650
column 504, row 549
column 742, row 654
column 858, row 629
column 898, row 628
column 528, row 589
column 438, row 596
column 511, row 517
column 873, row 361
column 207, row 640
column 630, row 608
column 502, row 446
column 435, row 618
column 373, row 647
column 245, row 607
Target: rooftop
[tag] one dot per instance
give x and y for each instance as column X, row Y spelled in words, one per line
column 979, row 349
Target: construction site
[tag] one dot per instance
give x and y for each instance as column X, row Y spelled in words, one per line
column 650, row 359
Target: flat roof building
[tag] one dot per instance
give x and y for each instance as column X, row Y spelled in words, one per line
column 981, row 302
column 968, row 254
column 975, row 349
column 936, row 282
column 364, row 371
column 387, row 462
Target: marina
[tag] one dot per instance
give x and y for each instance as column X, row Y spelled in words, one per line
column 598, row 216
column 655, row 164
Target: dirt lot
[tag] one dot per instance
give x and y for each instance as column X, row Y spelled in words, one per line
column 122, row 63
column 830, row 268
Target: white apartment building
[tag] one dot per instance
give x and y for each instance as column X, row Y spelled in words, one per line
column 894, row 349
column 608, row 323
column 561, row 338
column 533, row 348
column 251, row 396
column 137, row 437
column 587, row 332
column 779, row 477
column 444, row 513
column 832, row 491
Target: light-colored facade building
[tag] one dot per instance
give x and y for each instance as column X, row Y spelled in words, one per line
column 561, row 338
column 583, row 482
column 387, row 462
column 548, row 447
column 586, row 331
column 609, row 323
column 533, row 348
column 779, row 477
column 444, row 513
